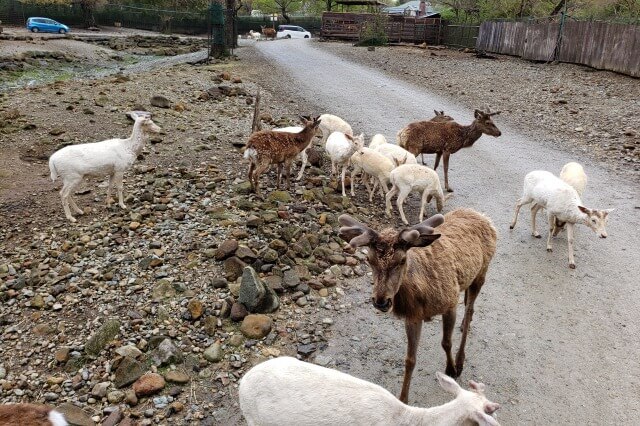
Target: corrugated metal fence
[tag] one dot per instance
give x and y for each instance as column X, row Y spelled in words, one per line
column 602, row 45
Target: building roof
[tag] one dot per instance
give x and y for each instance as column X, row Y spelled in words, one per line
column 360, row 3
column 410, row 5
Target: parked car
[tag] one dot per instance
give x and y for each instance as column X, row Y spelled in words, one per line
column 292, row 31
column 46, row 25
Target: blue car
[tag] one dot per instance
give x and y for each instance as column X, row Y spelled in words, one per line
column 46, row 25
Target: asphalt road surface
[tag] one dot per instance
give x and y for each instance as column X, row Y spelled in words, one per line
column 553, row 345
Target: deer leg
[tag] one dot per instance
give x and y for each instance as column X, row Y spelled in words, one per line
column 470, row 295
column 438, row 155
column 119, row 187
column 448, row 323
column 552, row 223
column 287, row 174
column 68, row 187
column 344, row 173
column 570, row 234
column 354, row 172
column 109, row 187
column 383, row 187
column 256, row 176
column 394, row 190
column 304, row 156
column 521, row 202
column 400, row 201
column 279, row 172
column 423, row 202
column 445, row 164
column 74, row 206
column 251, row 169
column 413, row 330
column 534, row 212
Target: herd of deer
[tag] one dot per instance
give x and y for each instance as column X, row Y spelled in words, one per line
column 417, row 272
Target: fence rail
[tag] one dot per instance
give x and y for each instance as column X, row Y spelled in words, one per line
column 602, row 45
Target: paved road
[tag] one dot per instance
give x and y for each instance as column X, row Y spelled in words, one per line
column 554, row 345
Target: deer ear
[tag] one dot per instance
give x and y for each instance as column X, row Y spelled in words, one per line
column 479, row 387
column 584, row 210
column 437, row 113
column 448, row 384
column 478, row 114
column 483, row 419
column 491, row 407
column 607, row 211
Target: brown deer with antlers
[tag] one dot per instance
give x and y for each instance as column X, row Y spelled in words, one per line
column 444, row 138
column 420, row 274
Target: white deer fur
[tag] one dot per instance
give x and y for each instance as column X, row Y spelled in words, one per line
column 373, row 164
column 284, row 391
column 303, row 154
column 409, row 178
column 255, row 35
column 396, row 153
column 331, row 123
column 377, row 140
column 112, row 158
column 563, row 205
column 574, row 175
column 340, row 148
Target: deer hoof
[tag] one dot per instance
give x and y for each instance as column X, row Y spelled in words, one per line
column 449, row 190
column 537, row 235
column 549, row 249
column 572, row 265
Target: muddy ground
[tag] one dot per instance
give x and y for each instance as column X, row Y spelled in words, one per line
column 515, row 347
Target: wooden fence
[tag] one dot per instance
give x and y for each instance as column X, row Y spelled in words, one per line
column 601, row 45
column 348, row 26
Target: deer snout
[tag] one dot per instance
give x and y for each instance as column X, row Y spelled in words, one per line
column 381, row 304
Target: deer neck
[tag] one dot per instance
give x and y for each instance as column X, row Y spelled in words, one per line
column 471, row 134
column 446, row 414
column 137, row 139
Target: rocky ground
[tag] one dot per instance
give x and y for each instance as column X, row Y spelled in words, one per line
column 135, row 314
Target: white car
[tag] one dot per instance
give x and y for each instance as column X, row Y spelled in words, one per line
column 292, row 31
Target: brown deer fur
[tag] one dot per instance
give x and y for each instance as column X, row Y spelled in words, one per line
column 24, row 414
column 420, row 282
column 268, row 32
column 446, row 138
column 268, row 147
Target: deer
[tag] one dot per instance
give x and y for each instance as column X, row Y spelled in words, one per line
column 444, row 138
column 419, row 274
column 268, row 32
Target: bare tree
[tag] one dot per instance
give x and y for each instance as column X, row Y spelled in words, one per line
column 286, row 6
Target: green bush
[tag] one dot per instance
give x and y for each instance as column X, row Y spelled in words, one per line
column 373, row 32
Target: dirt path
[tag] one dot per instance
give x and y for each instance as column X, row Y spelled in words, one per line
column 554, row 346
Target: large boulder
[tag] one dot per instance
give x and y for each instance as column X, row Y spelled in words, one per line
column 255, row 295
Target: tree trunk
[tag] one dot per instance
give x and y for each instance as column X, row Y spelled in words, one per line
column 284, row 15
column 87, row 14
column 229, row 24
column 558, row 8
column 329, row 4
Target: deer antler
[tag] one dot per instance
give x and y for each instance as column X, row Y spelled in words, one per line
column 355, row 232
column 423, row 230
